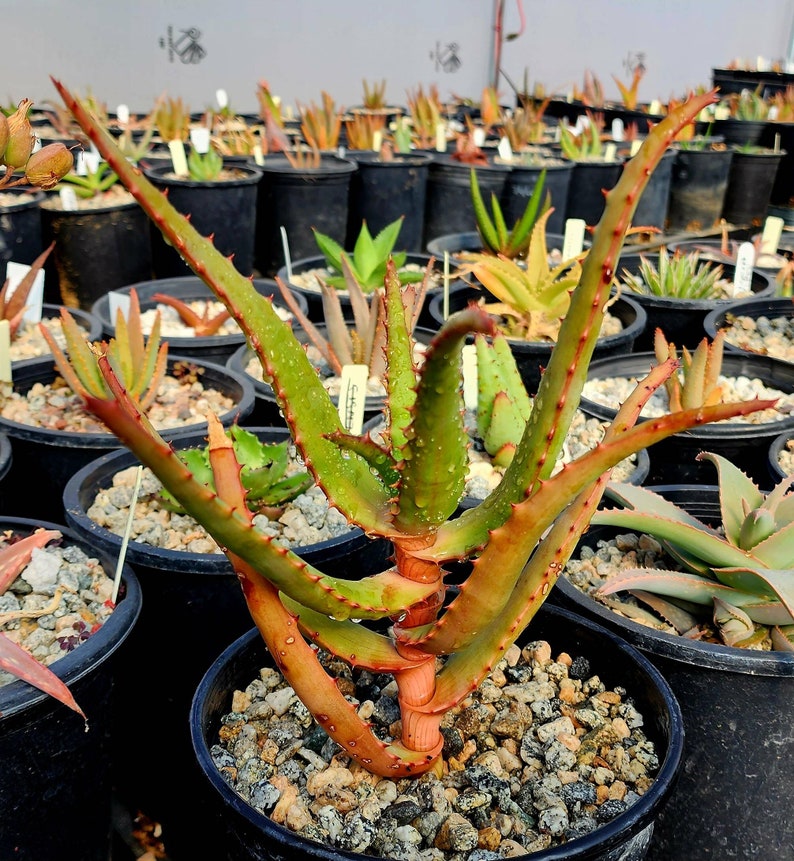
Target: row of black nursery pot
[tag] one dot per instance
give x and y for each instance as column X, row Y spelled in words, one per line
column 256, row 209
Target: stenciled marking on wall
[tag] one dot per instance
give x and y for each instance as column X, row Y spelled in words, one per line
column 184, row 46
column 446, row 57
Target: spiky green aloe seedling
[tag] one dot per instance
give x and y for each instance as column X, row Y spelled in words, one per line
column 408, row 489
column 741, row 574
column 492, row 227
column 263, row 471
column 366, row 264
column 678, row 275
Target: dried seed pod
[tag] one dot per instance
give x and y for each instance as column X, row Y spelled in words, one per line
column 20, row 137
column 49, row 165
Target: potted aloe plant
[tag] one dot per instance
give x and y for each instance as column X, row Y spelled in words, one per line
column 386, row 491
column 698, row 576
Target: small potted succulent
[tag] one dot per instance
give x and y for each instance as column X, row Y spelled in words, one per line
column 407, row 491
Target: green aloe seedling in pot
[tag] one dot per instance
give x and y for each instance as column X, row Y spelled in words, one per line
column 406, row 490
column 492, row 227
column 366, row 264
column 678, row 275
column 741, row 574
column 263, row 472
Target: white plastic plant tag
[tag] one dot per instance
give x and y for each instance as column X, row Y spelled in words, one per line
column 123, row 114
column 469, row 354
column 445, row 309
column 259, row 157
column 377, row 140
column 610, row 152
column 505, row 150
column 5, row 351
column 721, row 112
column 655, row 107
column 352, row 395
column 222, row 98
column 15, row 272
column 573, row 240
column 68, row 199
column 770, row 238
column 200, row 139
column 79, row 163
column 118, row 301
column 285, row 248
column 178, row 158
column 635, row 147
column 91, row 160
column 743, row 275
column 441, row 138
column 36, row 145
column 478, row 136
column 618, row 130
column 582, row 122
column 762, row 64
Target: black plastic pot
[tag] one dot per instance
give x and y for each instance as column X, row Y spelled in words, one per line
column 449, row 208
column 47, row 458
column 383, row 191
column 740, row 132
column 299, row 199
column 455, row 243
column 55, row 783
column 750, row 183
column 673, row 459
column 719, row 318
column 532, row 356
column 697, row 189
column 782, row 136
column 521, row 182
column 736, row 789
column 20, row 228
column 193, row 607
column 253, row 836
column 589, row 181
column 654, row 202
column 96, row 250
column 681, row 320
column 225, row 209
column 778, row 444
column 210, row 348
column 710, row 249
column 314, row 300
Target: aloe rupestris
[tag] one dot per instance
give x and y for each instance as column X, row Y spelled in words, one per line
column 408, row 489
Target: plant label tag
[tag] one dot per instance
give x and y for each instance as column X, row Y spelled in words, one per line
column 222, row 98
column 618, row 131
column 36, row 145
column 610, row 152
column 635, row 147
column 743, row 276
column 478, row 136
column 118, row 301
column 770, row 238
column 655, row 107
column 15, row 272
column 123, row 114
column 5, row 351
column 200, row 139
column 377, row 140
column 79, row 163
column 469, row 353
column 573, row 241
column 91, row 161
column 68, row 198
column 505, row 150
column 178, row 158
column 441, row 138
column 721, row 112
column 352, row 396
column 445, row 309
column 259, row 157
